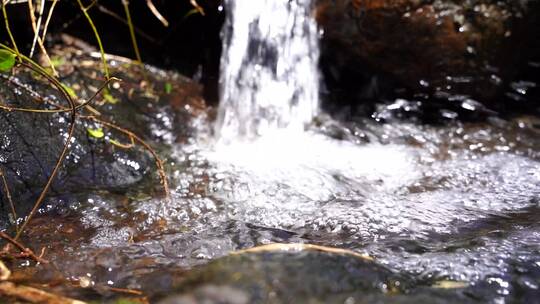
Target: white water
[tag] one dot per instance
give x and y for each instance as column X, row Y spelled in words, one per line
column 269, row 74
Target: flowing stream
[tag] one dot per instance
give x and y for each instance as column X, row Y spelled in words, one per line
column 453, row 209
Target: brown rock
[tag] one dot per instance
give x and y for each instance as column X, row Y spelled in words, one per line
column 458, row 47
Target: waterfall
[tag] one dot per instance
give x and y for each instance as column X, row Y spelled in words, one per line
column 269, row 75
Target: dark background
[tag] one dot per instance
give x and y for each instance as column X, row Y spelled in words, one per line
column 191, row 45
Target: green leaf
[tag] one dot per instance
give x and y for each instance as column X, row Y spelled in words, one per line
column 126, row 301
column 70, row 91
column 119, row 144
column 192, row 12
column 168, row 88
column 7, row 60
column 57, row 61
column 96, row 133
column 109, row 98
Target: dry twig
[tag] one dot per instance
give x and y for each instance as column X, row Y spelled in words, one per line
column 124, row 290
column 10, row 200
column 8, row 28
column 46, row 26
column 41, row 4
column 25, row 251
column 197, row 6
column 33, row 295
column 133, row 136
column 5, row 273
column 156, row 13
column 63, row 154
column 36, row 36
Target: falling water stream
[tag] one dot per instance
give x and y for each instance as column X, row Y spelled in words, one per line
column 453, row 209
column 269, row 75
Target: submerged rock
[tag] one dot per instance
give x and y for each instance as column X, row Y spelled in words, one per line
column 298, row 273
column 282, row 273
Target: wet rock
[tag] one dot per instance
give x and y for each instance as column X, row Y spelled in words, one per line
column 439, row 48
column 158, row 110
column 31, row 144
column 296, row 273
column 211, row 294
column 290, row 274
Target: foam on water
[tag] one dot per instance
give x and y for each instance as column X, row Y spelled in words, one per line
column 315, row 165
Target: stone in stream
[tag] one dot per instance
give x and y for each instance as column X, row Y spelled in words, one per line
column 296, row 273
column 158, row 110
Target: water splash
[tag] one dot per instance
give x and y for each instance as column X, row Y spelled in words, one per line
column 269, row 74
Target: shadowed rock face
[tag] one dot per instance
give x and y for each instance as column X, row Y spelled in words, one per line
column 30, row 143
column 444, row 48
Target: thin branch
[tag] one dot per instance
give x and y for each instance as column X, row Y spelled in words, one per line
column 125, row 3
column 61, row 109
column 125, row 290
column 94, row 2
column 41, row 10
column 158, row 161
column 33, row 295
column 8, row 29
column 16, row 82
column 46, row 26
column 23, row 249
column 156, row 13
column 96, row 34
column 40, row 100
column 197, row 6
column 63, row 154
column 141, row 33
column 10, row 200
column 36, row 36
column 121, row 145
